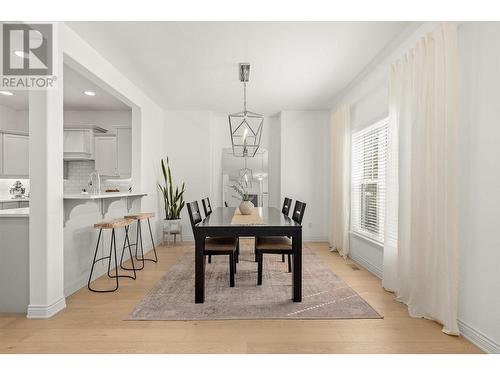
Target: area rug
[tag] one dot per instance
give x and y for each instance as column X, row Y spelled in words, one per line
column 324, row 294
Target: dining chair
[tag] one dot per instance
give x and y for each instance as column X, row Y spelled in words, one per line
column 286, row 206
column 277, row 245
column 207, row 208
column 287, row 203
column 216, row 245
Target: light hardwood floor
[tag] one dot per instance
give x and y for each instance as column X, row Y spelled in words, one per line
column 94, row 323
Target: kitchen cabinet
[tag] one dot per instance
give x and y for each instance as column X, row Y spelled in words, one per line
column 106, row 156
column 78, row 144
column 15, row 155
column 124, row 151
column 113, row 154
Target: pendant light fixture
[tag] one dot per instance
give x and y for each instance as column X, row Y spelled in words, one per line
column 245, row 126
column 246, row 175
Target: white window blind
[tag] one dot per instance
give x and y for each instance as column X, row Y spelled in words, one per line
column 369, row 150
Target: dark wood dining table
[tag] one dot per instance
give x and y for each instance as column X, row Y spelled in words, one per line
column 274, row 223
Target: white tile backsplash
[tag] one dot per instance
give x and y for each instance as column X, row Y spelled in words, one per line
column 77, row 178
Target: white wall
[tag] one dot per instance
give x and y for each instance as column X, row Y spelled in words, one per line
column 274, row 125
column 305, row 167
column 479, row 44
column 187, row 144
column 480, row 175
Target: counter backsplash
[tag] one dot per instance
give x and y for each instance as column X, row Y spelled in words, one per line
column 77, row 178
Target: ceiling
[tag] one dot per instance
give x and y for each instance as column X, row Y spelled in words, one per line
column 194, row 65
column 74, row 99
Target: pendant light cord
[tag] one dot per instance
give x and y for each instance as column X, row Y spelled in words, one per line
column 245, row 97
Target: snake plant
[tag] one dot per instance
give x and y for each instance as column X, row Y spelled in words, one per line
column 173, row 199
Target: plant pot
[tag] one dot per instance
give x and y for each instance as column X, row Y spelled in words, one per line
column 172, row 226
column 246, row 207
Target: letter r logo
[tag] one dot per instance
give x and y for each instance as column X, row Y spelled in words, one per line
column 27, row 49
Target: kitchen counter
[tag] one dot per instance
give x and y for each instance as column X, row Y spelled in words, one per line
column 120, row 194
column 8, row 199
column 14, row 260
column 15, row 212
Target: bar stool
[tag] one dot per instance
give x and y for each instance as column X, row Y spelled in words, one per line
column 105, row 225
column 138, row 237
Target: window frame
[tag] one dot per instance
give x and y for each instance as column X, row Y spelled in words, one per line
column 357, row 181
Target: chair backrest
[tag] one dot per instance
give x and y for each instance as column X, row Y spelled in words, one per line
column 225, row 204
column 298, row 211
column 206, row 206
column 286, row 206
column 194, row 213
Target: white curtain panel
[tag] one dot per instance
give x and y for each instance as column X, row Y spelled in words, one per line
column 340, row 146
column 421, row 254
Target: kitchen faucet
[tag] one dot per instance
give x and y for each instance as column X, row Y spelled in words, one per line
column 94, row 183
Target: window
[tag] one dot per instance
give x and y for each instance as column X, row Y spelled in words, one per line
column 369, row 149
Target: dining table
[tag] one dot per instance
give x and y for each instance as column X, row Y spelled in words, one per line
column 224, row 222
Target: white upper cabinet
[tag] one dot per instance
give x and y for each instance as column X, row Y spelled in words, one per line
column 124, row 151
column 78, row 144
column 15, row 155
column 106, row 156
column 113, row 154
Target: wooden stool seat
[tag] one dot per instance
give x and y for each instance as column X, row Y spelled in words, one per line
column 114, row 223
column 140, row 216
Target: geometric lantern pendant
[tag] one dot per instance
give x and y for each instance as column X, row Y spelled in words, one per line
column 245, row 126
column 245, row 176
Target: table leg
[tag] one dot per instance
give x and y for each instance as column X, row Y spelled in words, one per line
column 297, row 266
column 199, row 269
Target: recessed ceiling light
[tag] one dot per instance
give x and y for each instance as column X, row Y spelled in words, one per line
column 6, row 93
column 22, row 54
column 89, row 93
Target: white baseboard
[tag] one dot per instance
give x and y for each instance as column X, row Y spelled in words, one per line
column 46, row 311
column 479, row 339
column 363, row 262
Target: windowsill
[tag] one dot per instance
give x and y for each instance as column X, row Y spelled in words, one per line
column 368, row 239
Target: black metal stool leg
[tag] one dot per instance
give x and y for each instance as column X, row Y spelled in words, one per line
column 209, row 259
column 126, row 244
column 94, row 261
column 117, row 266
column 137, row 233
column 111, row 248
column 153, row 242
column 283, row 258
column 289, row 262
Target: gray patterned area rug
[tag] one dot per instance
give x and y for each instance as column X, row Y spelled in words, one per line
column 324, row 294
